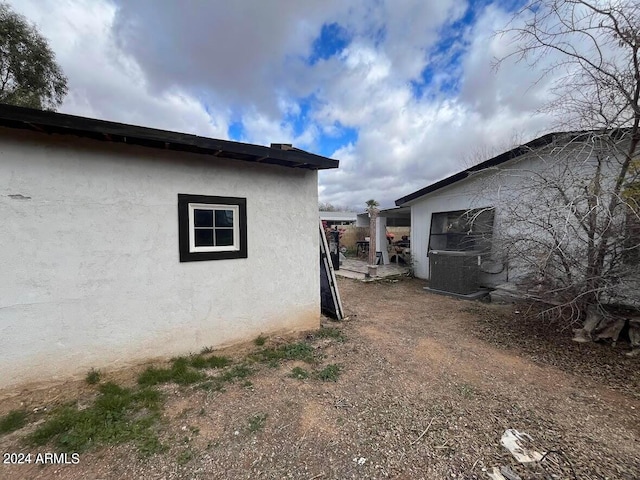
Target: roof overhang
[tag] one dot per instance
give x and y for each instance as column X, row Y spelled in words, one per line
column 338, row 216
column 101, row 130
column 614, row 134
column 395, row 212
column 495, row 161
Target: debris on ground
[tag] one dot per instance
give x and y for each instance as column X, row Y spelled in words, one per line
column 503, row 473
column 515, row 442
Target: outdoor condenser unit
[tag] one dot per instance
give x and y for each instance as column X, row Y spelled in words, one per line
column 454, row 271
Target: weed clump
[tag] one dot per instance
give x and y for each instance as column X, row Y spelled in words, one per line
column 331, row 332
column 118, row 415
column 236, row 372
column 215, row 385
column 12, row 421
column 291, row 351
column 257, row 422
column 199, row 361
column 330, row 373
column 185, row 457
column 179, row 373
column 299, row 373
column 93, row 376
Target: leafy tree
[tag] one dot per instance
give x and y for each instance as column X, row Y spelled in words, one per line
column 29, row 74
column 372, row 204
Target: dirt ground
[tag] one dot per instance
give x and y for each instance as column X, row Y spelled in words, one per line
column 427, row 388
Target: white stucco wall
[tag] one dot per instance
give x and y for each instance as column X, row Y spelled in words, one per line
column 91, row 275
column 505, row 188
column 462, row 195
column 486, row 189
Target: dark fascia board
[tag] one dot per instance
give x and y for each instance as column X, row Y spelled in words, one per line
column 492, row 162
column 59, row 123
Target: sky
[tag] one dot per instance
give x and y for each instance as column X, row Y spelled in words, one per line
column 402, row 92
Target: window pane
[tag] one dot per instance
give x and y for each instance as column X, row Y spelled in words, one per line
column 224, row 218
column 224, row 237
column 203, row 218
column 204, row 237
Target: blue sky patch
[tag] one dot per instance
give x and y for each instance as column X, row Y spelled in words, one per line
column 326, row 143
column 332, row 40
column 330, row 143
column 446, row 56
column 236, row 131
column 299, row 121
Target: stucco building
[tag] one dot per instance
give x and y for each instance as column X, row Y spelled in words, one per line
column 123, row 243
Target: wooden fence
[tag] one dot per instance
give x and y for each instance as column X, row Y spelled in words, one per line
column 352, row 234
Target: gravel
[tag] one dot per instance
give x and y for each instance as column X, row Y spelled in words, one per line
column 427, row 387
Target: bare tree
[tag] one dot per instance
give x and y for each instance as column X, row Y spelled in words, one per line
column 330, row 207
column 327, row 207
column 574, row 222
column 487, row 149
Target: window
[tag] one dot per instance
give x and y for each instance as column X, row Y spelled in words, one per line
column 212, row 228
column 463, row 230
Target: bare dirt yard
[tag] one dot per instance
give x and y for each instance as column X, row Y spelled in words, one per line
column 412, row 385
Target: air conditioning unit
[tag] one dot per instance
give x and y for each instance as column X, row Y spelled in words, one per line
column 455, row 271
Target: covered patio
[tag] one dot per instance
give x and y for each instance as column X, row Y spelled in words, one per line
column 390, row 251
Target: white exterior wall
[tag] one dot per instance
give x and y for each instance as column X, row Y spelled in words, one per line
column 91, row 275
column 482, row 190
column 506, row 188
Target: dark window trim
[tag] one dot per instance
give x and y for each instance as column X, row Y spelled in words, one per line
column 183, row 227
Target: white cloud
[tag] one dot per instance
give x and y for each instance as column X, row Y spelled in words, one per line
column 199, row 67
column 105, row 82
column 406, row 143
column 235, row 50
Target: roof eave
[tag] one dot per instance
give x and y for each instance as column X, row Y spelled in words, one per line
column 102, row 130
column 492, row 162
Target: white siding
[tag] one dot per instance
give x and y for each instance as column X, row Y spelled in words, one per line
column 90, row 262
